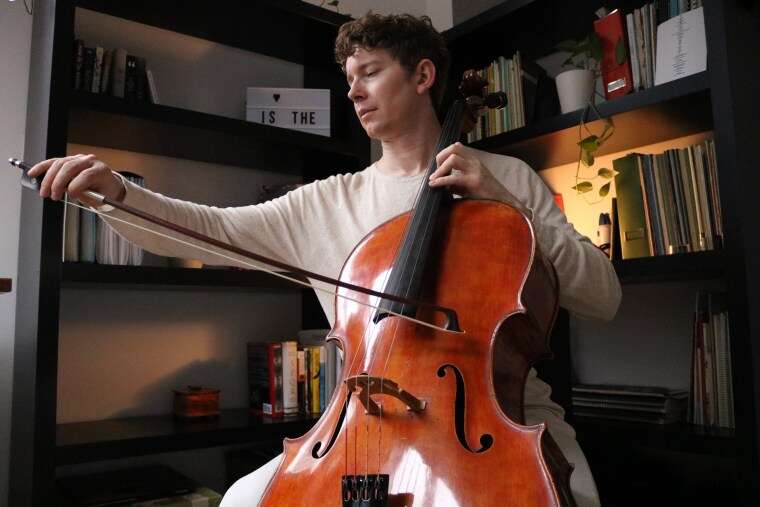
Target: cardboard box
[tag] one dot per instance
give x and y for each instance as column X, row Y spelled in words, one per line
column 303, row 109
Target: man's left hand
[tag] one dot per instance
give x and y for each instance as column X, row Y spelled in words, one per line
column 465, row 175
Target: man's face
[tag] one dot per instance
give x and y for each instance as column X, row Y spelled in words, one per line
column 384, row 94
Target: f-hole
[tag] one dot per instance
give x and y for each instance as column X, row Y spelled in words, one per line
column 315, row 450
column 486, row 439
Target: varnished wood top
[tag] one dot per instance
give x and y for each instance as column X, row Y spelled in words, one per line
column 6, row 284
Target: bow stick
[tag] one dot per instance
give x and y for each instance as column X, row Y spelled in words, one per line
column 451, row 325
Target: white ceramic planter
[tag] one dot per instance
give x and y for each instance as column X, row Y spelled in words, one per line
column 574, row 88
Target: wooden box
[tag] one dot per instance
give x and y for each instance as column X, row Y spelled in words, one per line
column 196, row 401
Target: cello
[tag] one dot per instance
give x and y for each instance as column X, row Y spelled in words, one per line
column 425, row 412
column 425, row 417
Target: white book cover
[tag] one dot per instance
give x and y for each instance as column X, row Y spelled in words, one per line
column 290, row 377
column 681, row 47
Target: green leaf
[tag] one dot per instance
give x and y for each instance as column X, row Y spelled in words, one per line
column 606, row 173
column 583, row 187
column 590, row 143
column 621, row 52
column 595, row 46
column 604, row 190
column 587, row 158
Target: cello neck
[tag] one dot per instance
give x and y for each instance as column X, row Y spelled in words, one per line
column 410, row 262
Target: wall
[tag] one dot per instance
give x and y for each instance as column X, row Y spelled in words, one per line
column 462, row 10
column 15, row 43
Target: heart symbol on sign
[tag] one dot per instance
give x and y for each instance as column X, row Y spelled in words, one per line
column 276, row 97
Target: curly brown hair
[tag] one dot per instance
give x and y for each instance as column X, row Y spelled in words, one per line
column 407, row 38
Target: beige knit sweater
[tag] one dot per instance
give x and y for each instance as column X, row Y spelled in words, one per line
column 317, row 226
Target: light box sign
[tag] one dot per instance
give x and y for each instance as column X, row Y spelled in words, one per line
column 304, row 109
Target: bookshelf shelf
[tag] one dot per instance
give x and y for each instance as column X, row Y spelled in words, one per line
column 639, row 120
column 137, row 436
column 676, row 437
column 175, row 132
column 83, row 274
column 251, row 26
column 687, row 266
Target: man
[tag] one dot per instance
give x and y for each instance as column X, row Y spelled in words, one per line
column 396, row 69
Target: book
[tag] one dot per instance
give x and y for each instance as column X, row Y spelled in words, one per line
column 290, row 377
column 265, row 378
column 152, row 89
column 118, row 72
column 617, row 78
column 634, row 240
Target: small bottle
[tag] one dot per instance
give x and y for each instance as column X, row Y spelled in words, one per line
column 603, row 232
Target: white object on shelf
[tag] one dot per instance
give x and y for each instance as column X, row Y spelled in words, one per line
column 681, row 47
column 304, row 109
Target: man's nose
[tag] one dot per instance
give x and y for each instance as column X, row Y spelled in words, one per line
column 355, row 92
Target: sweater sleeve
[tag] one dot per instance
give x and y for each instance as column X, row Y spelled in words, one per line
column 268, row 229
column 588, row 284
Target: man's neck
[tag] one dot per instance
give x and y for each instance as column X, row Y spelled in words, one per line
column 409, row 153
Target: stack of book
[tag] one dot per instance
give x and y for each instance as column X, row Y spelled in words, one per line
column 286, row 378
column 113, row 72
column 655, row 405
column 89, row 238
column 669, row 202
column 505, row 75
column 712, row 395
column 641, row 25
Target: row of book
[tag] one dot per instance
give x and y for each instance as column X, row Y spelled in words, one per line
column 641, row 25
column 112, row 72
column 712, row 397
column 503, row 75
column 669, row 202
column 89, row 238
column 645, row 404
column 285, row 378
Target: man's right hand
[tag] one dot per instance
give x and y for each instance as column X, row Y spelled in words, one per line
column 76, row 174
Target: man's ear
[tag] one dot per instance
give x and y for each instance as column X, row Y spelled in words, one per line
column 424, row 75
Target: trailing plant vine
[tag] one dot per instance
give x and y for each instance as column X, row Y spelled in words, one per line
column 588, row 148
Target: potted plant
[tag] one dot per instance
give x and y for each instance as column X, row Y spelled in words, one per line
column 576, row 86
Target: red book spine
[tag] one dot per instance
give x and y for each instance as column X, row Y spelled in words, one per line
column 617, row 77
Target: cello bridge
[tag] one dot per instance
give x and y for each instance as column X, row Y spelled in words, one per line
column 368, row 385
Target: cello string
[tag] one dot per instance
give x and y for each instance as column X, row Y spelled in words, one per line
column 450, row 124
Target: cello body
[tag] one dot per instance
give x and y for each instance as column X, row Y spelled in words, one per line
column 467, row 445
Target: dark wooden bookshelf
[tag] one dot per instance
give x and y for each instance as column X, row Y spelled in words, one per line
column 717, row 100
column 681, row 437
column 85, row 274
column 685, row 266
column 174, row 132
column 675, row 109
column 137, row 436
column 291, row 30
